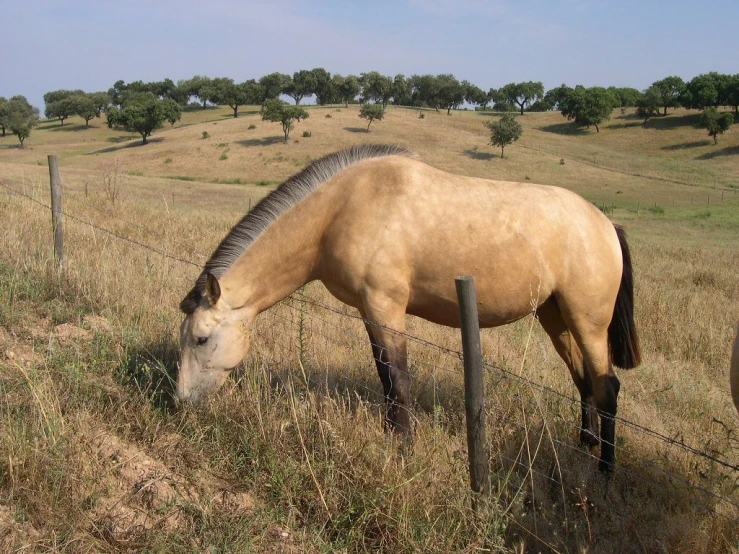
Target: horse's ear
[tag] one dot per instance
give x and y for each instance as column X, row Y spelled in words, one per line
column 212, row 289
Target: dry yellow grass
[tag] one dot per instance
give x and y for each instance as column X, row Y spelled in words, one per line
column 295, row 441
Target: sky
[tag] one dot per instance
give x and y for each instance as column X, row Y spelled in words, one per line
column 90, row 44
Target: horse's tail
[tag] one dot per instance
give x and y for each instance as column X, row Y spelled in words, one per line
column 622, row 336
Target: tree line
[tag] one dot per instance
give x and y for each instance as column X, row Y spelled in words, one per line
column 144, row 106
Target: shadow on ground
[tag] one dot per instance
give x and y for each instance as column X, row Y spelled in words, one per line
column 262, row 142
column 124, row 146
column 728, row 151
column 684, row 145
column 477, row 155
column 356, row 129
column 152, row 370
column 564, row 129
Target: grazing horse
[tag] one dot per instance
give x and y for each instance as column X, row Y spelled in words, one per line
column 388, row 234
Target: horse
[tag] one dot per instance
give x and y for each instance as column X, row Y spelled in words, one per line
column 387, row 234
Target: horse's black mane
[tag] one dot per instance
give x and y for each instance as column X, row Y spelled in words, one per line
column 280, row 200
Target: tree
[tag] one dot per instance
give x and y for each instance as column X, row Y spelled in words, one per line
column 625, row 97
column 702, row 91
column 302, row 84
column 730, row 93
column 451, row 92
column 59, row 104
column 402, row 91
column 85, row 107
column 22, row 117
column 670, row 90
column 376, row 87
column 4, row 114
column 588, row 106
column 273, row 85
column 475, row 95
column 346, row 88
column 650, row 103
column 523, row 94
column 716, row 123
column 224, row 91
column 372, row 112
column 505, row 131
column 323, row 88
column 426, row 91
column 101, row 101
column 143, row 113
column 195, row 86
column 555, row 96
column 279, row 112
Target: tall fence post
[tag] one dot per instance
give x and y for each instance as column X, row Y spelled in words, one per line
column 56, row 211
column 474, row 394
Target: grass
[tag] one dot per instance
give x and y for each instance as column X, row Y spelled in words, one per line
column 290, row 456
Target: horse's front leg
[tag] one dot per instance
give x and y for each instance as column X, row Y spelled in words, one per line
column 389, row 351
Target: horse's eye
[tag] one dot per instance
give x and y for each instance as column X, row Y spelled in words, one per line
column 202, row 340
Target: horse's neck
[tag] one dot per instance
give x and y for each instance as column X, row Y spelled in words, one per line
column 278, row 262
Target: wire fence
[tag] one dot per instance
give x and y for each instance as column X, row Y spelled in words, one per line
column 313, row 319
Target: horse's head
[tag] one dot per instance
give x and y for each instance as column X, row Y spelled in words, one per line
column 214, row 338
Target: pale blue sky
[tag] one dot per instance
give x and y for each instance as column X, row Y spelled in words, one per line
column 52, row 44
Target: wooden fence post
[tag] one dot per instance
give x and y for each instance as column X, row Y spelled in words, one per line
column 474, row 393
column 56, row 211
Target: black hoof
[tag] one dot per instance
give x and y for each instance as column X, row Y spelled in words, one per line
column 587, row 438
column 606, row 468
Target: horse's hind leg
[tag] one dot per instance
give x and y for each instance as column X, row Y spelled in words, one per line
column 565, row 345
column 382, row 361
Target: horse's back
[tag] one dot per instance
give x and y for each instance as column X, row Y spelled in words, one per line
column 403, row 223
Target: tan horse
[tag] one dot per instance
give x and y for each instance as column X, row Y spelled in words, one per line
column 388, row 234
column 735, row 371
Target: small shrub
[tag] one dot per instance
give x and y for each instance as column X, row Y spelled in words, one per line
column 704, row 214
column 251, row 126
column 657, row 210
column 205, row 135
column 224, row 155
column 263, row 183
column 306, row 134
column 168, row 160
column 221, row 145
column 561, row 161
column 421, row 115
column 328, row 116
column 136, row 173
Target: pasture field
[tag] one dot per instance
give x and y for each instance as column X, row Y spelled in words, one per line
column 290, row 456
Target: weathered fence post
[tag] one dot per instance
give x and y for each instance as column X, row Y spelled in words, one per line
column 56, row 211
column 474, row 394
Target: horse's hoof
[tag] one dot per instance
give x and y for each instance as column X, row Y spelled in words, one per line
column 606, row 468
column 588, row 439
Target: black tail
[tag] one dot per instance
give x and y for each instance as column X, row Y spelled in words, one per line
column 622, row 336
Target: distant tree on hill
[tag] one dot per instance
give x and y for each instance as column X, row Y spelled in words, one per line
column 60, row 104
column 522, row 94
column 670, row 90
column 730, row 93
column 650, row 103
column 625, row 97
column 475, row 95
column 426, row 91
column 588, row 106
column 22, row 117
column 376, row 87
column 194, row 87
column 101, row 101
column 505, row 131
column 402, row 91
column 273, row 85
column 224, row 91
column 323, row 88
column 143, row 112
column 346, row 88
column 279, row 112
column 4, row 114
column 716, row 123
column 451, row 92
column 84, row 106
column 302, row 84
column 372, row 112
column 555, row 96
column 702, row 91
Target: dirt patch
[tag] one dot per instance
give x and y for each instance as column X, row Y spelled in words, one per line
column 16, row 351
column 13, row 534
column 139, row 492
